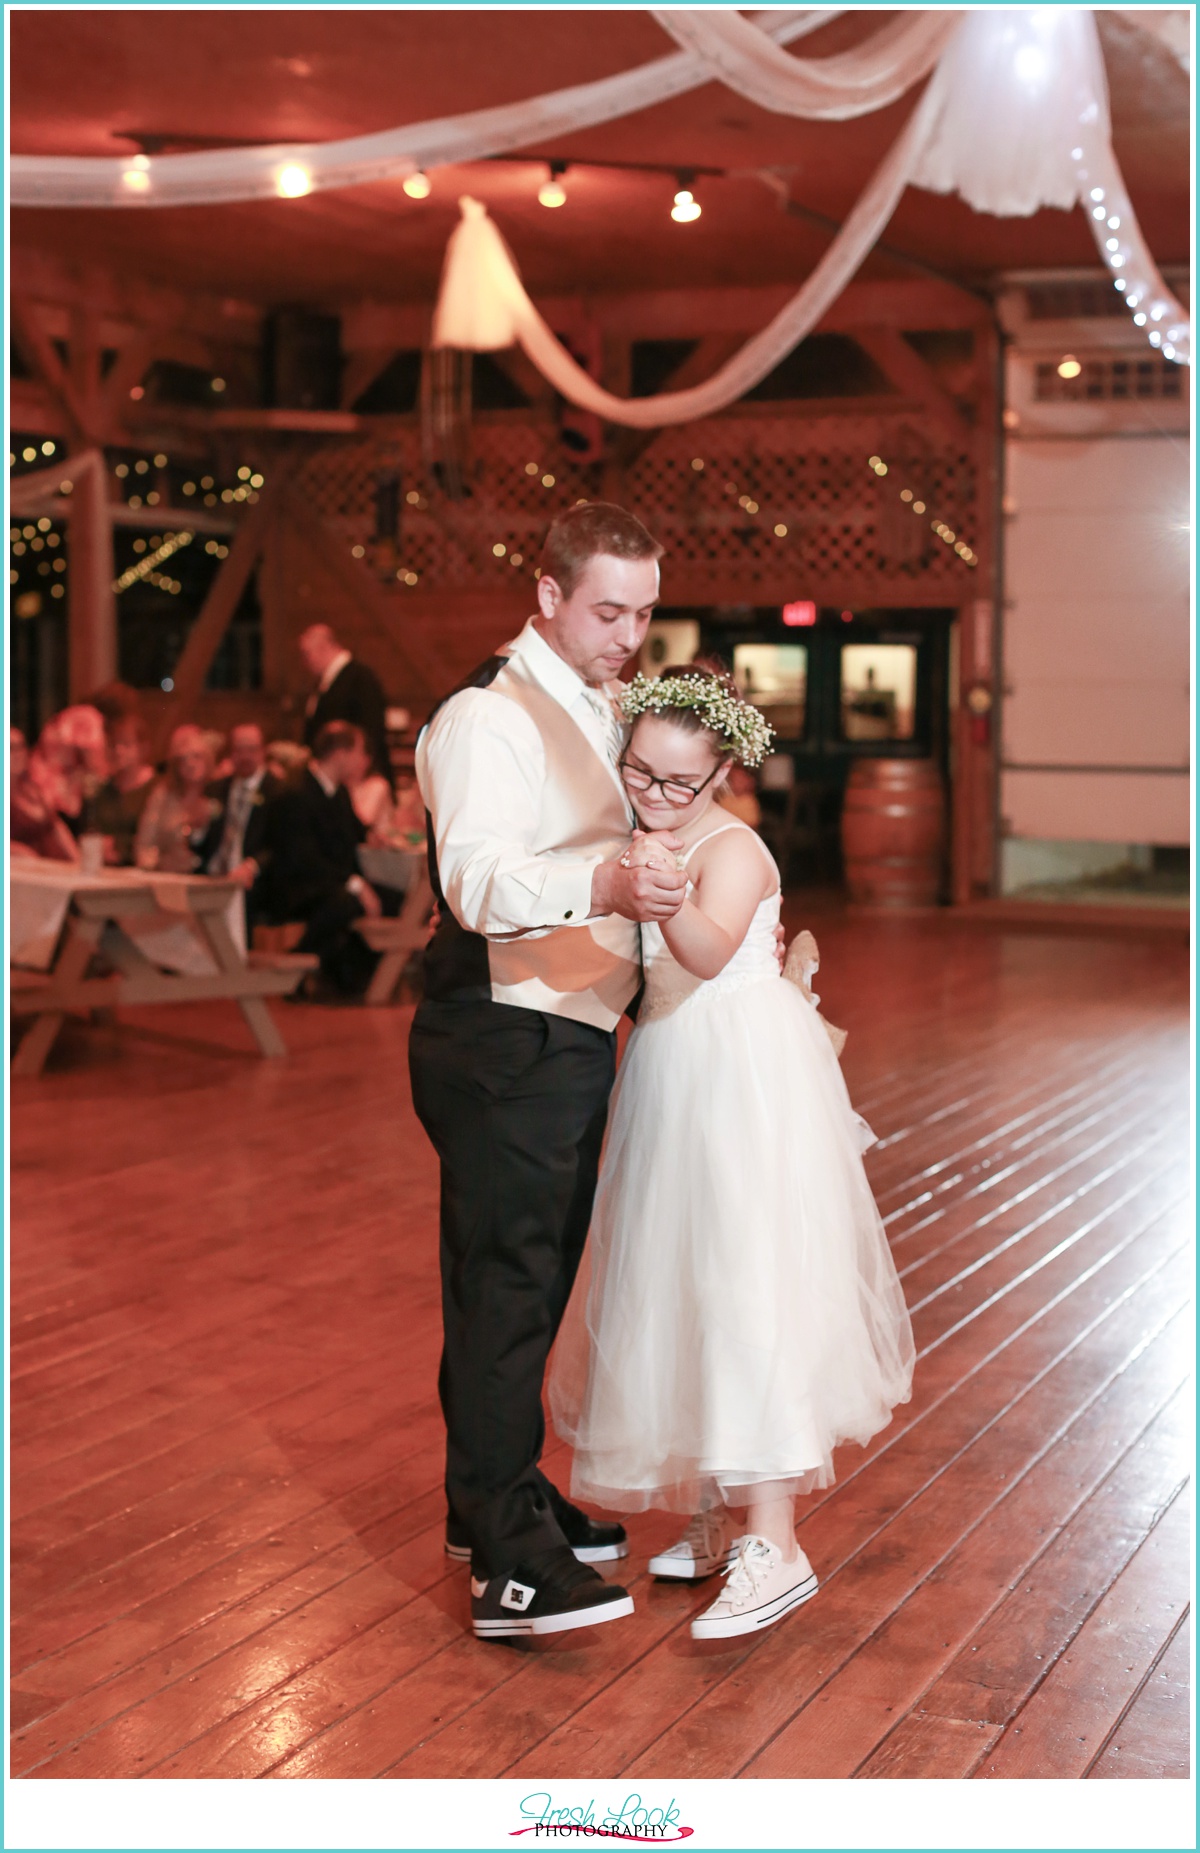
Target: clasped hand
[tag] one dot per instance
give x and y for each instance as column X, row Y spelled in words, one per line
column 645, row 884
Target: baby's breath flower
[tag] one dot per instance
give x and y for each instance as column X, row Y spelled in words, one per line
column 741, row 729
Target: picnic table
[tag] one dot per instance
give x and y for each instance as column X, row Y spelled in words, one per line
column 166, row 939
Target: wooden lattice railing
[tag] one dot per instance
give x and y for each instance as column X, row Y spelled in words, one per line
column 845, row 524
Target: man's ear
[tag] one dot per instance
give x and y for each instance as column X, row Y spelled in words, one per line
column 549, row 596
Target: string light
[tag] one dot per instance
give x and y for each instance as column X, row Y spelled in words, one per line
column 418, row 185
column 943, row 531
column 1109, row 207
column 145, row 568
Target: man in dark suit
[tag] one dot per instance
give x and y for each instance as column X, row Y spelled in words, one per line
column 311, row 840
column 235, row 842
column 346, row 691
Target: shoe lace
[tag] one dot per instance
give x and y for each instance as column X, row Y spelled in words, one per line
column 703, row 1533
column 747, row 1570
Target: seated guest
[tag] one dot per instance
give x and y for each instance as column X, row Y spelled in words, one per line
column 70, row 762
column 178, row 813
column 371, row 796
column 115, row 811
column 35, row 827
column 311, row 871
column 408, row 817
column 286, row 760
column 234, row 844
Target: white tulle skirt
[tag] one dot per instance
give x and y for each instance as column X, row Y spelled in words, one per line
column 738, row 1314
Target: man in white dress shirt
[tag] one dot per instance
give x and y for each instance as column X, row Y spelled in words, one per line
column 513, row 1050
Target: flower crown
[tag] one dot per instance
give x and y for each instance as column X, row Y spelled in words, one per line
column 741, row 729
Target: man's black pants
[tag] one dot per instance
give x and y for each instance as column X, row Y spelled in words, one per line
column 515, row 1102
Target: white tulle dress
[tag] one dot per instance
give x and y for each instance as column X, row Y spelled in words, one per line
column 738, row 1314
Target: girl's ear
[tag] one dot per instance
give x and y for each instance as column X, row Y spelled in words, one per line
column 722, row 778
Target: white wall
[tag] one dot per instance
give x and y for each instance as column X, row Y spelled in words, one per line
column 1095, row 717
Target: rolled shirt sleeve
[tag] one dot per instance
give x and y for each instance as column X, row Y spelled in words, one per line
column 481, row 766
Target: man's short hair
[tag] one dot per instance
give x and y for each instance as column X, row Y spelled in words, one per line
column 337, row 737
column 581, row 534
column 246, row 727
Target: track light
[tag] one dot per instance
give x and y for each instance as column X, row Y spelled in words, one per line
column 418, row 185
column 293, row 181
column 686, row 207
column 552, row 193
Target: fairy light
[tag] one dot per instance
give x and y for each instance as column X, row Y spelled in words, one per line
column 942, row 529
column 1125, row 254
column 146, row 568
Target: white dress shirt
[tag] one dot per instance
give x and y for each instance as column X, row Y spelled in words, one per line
column 481, row 766
column 238, row 805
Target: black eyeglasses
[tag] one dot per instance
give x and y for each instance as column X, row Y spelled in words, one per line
column 673, row 790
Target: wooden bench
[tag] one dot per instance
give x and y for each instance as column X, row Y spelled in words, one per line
column 396, row 940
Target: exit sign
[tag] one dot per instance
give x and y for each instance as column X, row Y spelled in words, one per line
column 801, row 611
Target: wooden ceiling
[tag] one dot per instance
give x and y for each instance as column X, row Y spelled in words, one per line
column 91, row 82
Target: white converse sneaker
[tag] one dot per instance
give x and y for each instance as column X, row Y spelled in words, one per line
column 707, row 1545
column 760, row 1589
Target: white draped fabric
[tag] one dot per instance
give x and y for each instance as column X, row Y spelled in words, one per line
column 1037, row 71
column 483, row 305
column 221, row 174
column 851, row 83
column 1041, row 72
column 1014, row 118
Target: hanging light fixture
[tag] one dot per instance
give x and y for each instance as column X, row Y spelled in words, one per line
column 418, row 185
column 686, row 207
column 1069, row 368
column 552, row 193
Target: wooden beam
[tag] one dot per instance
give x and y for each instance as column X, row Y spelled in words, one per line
column 517, row 366
column 41, row 356
column 218, row 608
column 92, row 605
column 709, row 353
column 125, row 302
column 661, row 315
column 127, row 371
column 362, row 370
column 421, row 654
column 911, row 375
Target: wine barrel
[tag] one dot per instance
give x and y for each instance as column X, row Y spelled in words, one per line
column 893, row 826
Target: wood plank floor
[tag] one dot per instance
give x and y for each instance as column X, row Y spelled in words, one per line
column 226, row 1452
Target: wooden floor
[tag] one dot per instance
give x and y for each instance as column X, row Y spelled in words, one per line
column 226, row 1451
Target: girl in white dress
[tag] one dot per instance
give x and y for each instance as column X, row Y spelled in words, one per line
column 743, row 1315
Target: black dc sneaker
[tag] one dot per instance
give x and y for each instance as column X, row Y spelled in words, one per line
column 547, row 1594
column 591, row 1540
